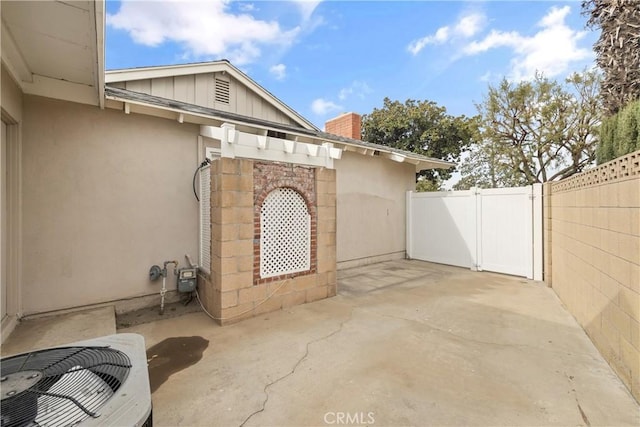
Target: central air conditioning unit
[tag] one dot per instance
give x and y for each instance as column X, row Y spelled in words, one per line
column 98, row 382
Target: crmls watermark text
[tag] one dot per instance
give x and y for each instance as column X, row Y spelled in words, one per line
column 346, row 418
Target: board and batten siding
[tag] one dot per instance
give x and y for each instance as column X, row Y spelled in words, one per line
column 199, row 89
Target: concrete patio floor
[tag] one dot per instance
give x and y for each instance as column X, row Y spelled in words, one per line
column 404, row 343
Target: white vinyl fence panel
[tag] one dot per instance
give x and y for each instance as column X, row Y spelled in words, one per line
column 441, row 227
column 495, row 230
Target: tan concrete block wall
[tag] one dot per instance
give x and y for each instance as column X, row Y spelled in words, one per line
column 327, row 260
column 231, row 293
column 592, row 258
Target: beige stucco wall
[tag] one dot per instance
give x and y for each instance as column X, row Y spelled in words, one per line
column 592, row 258
column 371, row 208
column 105, row 196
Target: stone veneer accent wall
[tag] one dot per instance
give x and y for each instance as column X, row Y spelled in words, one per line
column 592, row 258
column 232, row 292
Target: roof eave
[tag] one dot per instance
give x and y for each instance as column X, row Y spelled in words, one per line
column 421, row 162
column 365, row 148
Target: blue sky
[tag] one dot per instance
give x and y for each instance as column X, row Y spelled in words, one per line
column 327, row 57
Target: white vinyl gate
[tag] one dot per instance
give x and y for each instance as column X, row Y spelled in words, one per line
column 494, row 230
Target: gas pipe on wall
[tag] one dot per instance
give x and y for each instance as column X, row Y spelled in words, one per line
column 185, row 278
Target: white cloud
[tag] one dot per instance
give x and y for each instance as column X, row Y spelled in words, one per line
column 279, row 71
column 204, row 29
column 306, row 7
column 440, row 36
column 247, row 7
column 551, row 50
column 467, row 26
column 470, row 25
column 322, row 106
column 357, row 88
column 487, row 77
column 494, row 39
column 555, row 16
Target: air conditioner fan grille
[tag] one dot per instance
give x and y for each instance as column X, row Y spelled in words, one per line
column 59, row 386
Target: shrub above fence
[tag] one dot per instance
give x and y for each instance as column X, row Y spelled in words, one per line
column 620, row 133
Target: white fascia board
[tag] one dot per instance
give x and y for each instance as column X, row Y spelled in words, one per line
column 142, row 73
column 99, row 6
column 61, row 89
column 13, row 59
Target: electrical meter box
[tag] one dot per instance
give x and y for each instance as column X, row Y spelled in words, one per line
column 187, row 279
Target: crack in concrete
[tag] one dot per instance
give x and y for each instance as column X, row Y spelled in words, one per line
column 295, row 366
column 584, row 417
column 463, row 338
column 403, row 281
column 582, row 414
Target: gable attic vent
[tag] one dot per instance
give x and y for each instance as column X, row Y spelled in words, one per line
column 221, row 91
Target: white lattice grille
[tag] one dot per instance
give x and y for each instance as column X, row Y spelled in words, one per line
column 205, row 219
column 285, row 233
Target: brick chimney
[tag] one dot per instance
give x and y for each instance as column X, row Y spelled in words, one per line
column 347, row 125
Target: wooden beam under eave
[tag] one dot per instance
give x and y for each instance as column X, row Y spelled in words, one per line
column 394, row 156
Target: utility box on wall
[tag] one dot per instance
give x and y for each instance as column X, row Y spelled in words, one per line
column 259, row 261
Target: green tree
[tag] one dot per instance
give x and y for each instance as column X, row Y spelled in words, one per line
column 485, row 167
column 421, row 127
column 534, row 131
column 424, row 185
